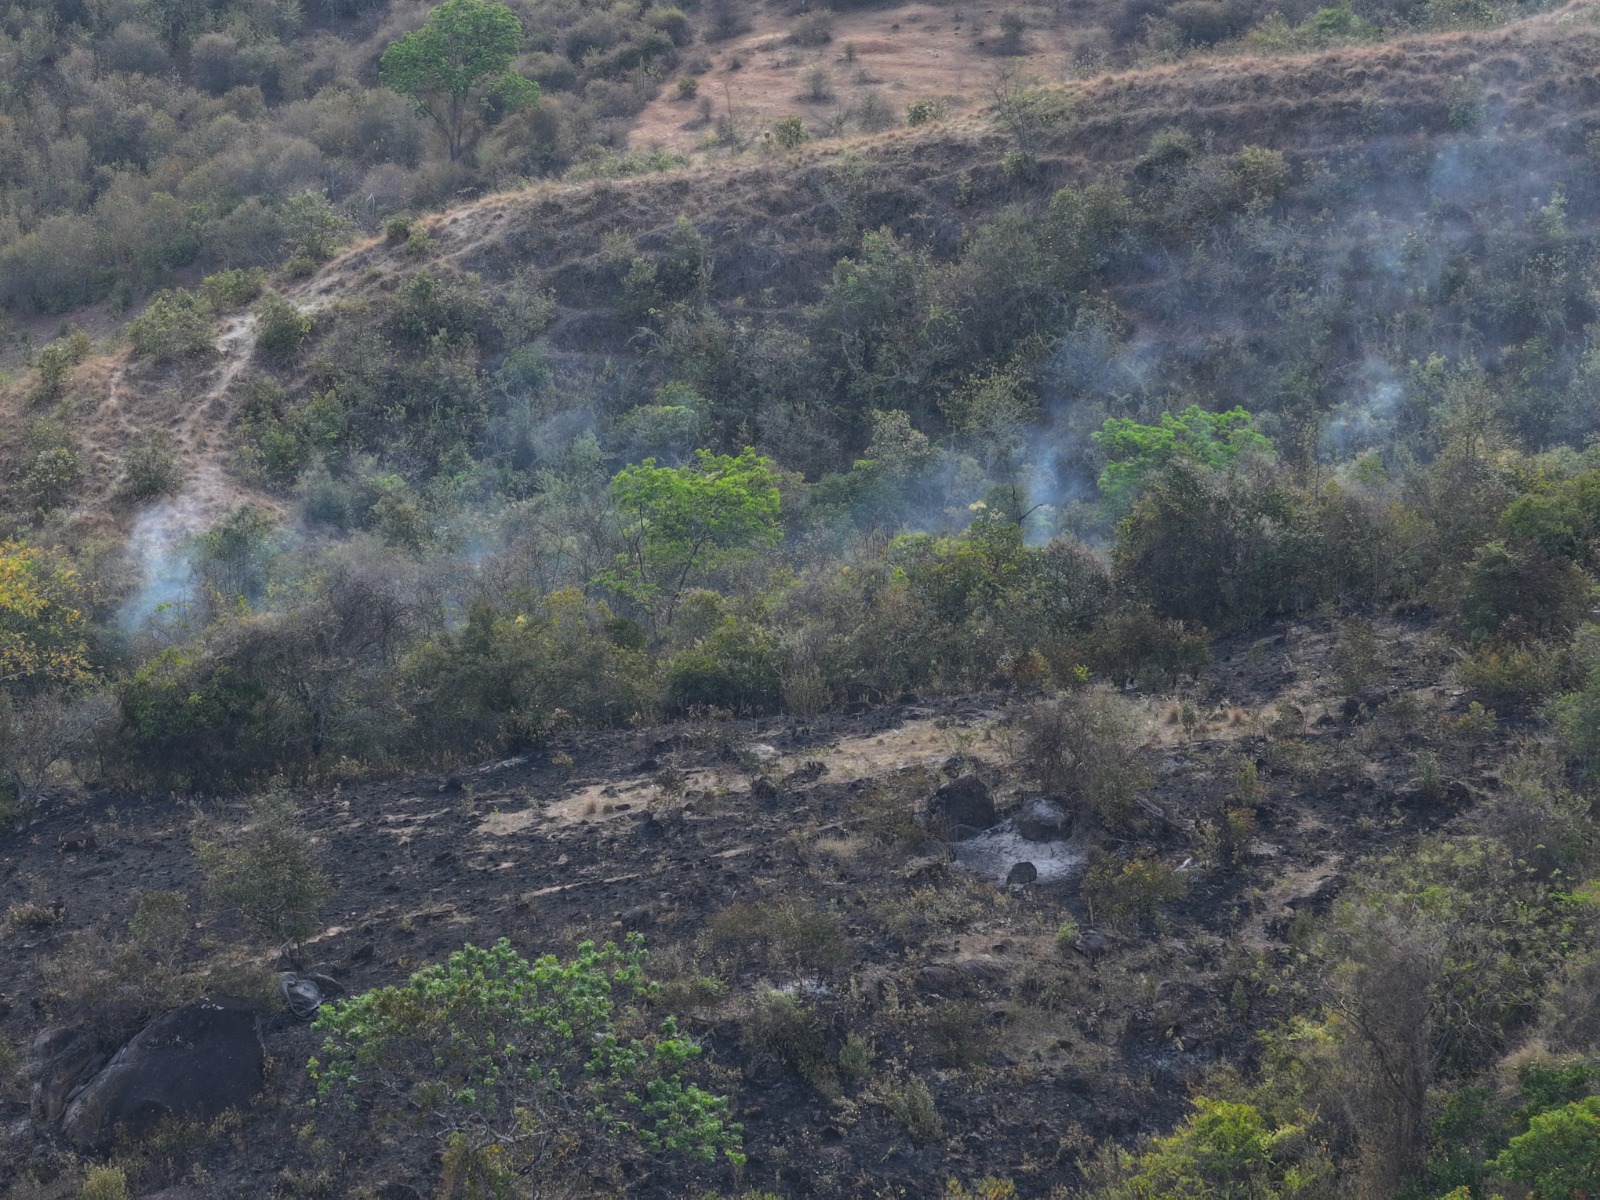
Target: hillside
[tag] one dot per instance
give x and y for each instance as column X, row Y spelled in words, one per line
column 1178, row 481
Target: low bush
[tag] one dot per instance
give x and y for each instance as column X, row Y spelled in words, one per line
column 175, row 324
column 488, row 1038
column 280, row 325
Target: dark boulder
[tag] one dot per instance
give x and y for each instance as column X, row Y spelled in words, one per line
column 1022, row 873
column 1041, row 820
column 966, row 801
column 192, row 1063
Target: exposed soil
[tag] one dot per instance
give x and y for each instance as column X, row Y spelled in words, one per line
column 941, row 52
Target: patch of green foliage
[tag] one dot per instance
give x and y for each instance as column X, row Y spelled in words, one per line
column 501, row 1046
column 1135, row 451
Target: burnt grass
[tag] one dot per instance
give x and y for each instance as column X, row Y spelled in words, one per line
column 1032, row 1052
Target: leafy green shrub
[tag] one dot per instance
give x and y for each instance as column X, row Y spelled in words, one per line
column 1219, row 549
column 1510, row 678
column 680, row 522
column 1258, row 177
column 1577, row 713
column 150, row 467
column 56, row 360
column 780, row 1025
column 280, row 325
column 1135, row 452
column 1521, row 589
column 439, row 306
column 267, row 870
column 789, row 132
column 312, row 225
column 671, row 21
column 1135, row 889
column 175, row 324
column 52, row 477
column 813, row 29
column 104, row 1183
column 688, row 88
column 912, row 1105
column 487, row 1038
column 925, row 112
column 233, row 288
column 734, row 668
column 196, row 719
column 504, row 678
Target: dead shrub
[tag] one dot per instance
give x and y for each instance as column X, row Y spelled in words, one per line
column 1086, row 745
column 789, row 936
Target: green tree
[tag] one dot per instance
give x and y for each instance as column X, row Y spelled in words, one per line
column 1559, row 1156
column 679, row 522
column 1215, row 440
column 42, row 625
column 456, row 63
column 1224, row 1151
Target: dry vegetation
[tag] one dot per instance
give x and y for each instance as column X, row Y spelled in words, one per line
column 1166, row 465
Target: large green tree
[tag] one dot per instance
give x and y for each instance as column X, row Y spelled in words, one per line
column 679, row 522
column 456, row 63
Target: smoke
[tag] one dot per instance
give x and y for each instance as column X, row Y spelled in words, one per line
column 1366, row 420
column 160, row 549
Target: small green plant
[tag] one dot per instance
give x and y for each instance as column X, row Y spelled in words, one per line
column 1358, row 660
column 53, row 476
column 855, row 1056
column 912, row 1105
column 150, row 467
column 232, row 289
column 175, row 324
column 56, row 360
column 813, row 29
column 925, row 112
column 819, row 85
column 1067, row 934
column 280, row 325
column 29, row 916
column 490, row 1038
column 688, row 87
column 1132, row 890
column 780, row 1025
column 789, row 133
column 104, row 1183
column 396, row 230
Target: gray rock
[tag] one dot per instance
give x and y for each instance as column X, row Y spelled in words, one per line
column 194, row 1062
column 965, row 801
column 58, row 1060
column 1022, row 873
column 1091, row 943
column 1042, row 820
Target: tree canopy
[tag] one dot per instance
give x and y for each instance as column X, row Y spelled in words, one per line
column 42, row 624
column 1215, row 440
column 679, row 521
column 455, row 63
